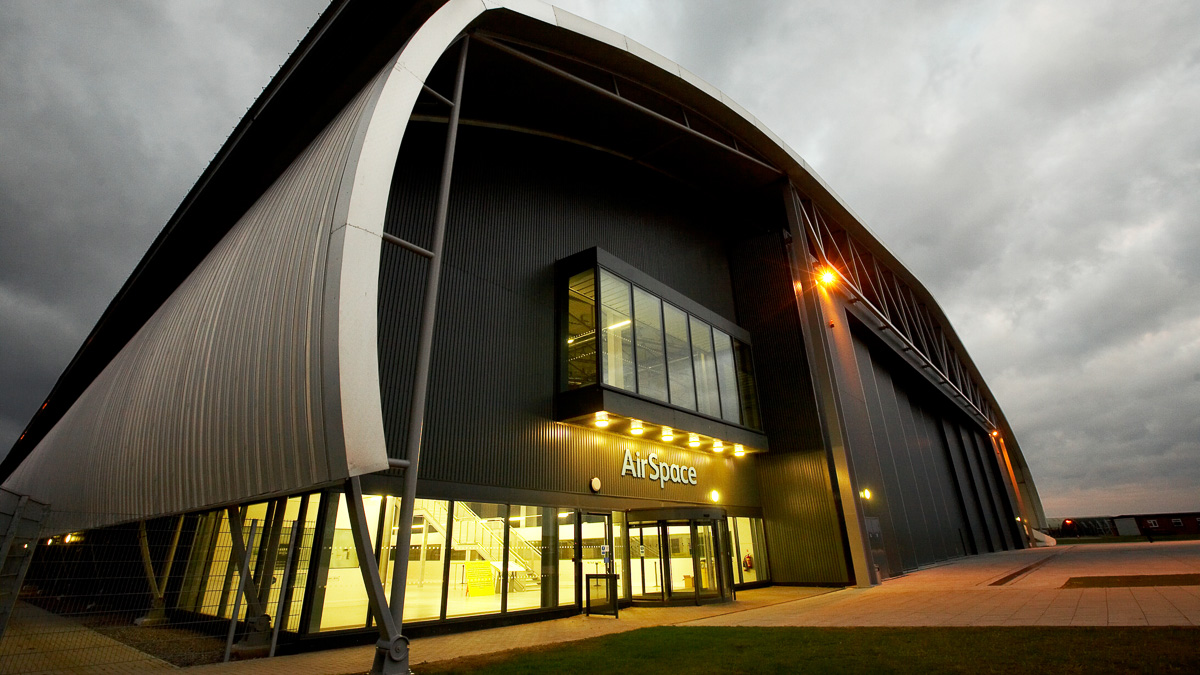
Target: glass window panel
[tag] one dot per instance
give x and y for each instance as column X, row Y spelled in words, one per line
column 763, row 562
column 346, row 604
column 476, row 559
column 651, row 355
column 618, row 524
column 616, row 333
column 532, row 544
column 427, row 545
column 581, row 329
column 726, row 377
column 747, row 560
column 679, row 357
column 734, row 556
column 679, row 550
column 747, row 391
column 752, row 550
column 646, row 561
column 706, row 557
column 708, row 396
column 566, row 557
column 301, row 554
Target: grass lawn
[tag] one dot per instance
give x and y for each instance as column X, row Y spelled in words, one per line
column 871, row 651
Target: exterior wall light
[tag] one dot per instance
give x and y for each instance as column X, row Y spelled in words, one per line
column 693, row 441
column 636, row 428
column 865, row 493
column 738, row 449
column 715, row 496
column 601, row 419
column 667, row 435
column 995, row 433
column 718, row 446
column 827, row 277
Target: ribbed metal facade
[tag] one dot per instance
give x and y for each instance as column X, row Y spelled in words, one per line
column 219, row 397
column 518, row 204
column 797, row 497
column 935, row 494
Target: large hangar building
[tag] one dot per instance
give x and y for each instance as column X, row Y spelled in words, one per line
column 599, row 317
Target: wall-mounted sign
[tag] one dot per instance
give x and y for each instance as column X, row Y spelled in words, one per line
column 652, row 469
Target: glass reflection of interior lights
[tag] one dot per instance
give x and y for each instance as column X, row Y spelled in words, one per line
column 627, row 338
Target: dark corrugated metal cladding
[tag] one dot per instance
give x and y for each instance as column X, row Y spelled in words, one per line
column 934, row 497
column 518, row 203
column 802, row 525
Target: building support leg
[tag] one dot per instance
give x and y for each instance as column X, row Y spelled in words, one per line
column 831, row 357
column 391, row 650
column 157, row 615
column 1014, row 490
column 391, row 655
column 257, row 641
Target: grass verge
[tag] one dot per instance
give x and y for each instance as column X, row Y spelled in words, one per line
column 871, row 651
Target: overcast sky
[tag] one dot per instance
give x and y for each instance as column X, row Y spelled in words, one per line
column 1037, row 165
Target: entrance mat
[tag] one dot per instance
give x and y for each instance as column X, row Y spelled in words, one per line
column 1134, row 580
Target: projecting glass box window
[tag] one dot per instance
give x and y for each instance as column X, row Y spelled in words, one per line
column 635, row 341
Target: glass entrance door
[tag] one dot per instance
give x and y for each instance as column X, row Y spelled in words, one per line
column 597, row 543
column 675, row 561
column 705, row 547
column 645, row 561
column 680, row 564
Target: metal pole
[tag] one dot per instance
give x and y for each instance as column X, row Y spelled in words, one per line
column 416, row 418
column 237, row 601
column 287, row 573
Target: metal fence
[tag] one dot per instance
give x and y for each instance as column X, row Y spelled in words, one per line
column 174, row 591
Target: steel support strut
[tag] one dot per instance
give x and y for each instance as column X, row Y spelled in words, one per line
column 158, row 584
column 391, row 653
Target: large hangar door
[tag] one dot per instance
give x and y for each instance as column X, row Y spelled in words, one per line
column 926, row 503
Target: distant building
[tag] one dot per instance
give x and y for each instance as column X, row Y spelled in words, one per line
column 1151, row 524
column 1165, row 524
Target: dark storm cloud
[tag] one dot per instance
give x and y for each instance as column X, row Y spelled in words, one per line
column 1037, row 165
column 108, row 113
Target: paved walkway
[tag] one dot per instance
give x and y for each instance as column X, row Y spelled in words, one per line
column 962, row 593
column 1016, row 588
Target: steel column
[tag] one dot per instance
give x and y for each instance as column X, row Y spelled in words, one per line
column 158, row 586
column 827, row 362
column 391, row 655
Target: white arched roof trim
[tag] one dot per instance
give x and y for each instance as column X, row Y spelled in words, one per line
column 359, row 237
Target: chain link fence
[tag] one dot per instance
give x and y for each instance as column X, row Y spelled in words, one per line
column 174, row 591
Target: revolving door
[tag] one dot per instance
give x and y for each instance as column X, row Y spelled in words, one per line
column 679, row 556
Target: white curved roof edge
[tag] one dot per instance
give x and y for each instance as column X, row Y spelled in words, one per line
column 423, row 50
column 418, row 56
column 429, row 42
